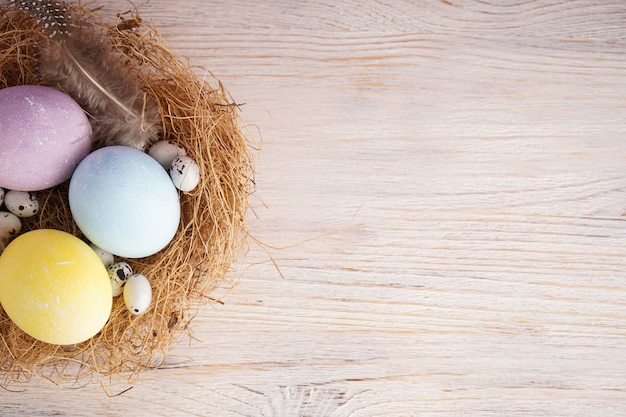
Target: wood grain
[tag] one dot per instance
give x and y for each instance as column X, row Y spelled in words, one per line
column 442, row 185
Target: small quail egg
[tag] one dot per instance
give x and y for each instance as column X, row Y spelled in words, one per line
column 10, row 225
column 106, row 257
column 185, row 173
column 119, row 273
column 21, row 203
column 1, row 195
column 137, row 294
column 165, row 152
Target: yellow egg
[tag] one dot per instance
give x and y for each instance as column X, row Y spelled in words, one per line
column 54, row 287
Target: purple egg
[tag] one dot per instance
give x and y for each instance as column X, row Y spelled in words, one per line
column 44, row 134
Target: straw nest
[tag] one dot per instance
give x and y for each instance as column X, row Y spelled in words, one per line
column 212, row 229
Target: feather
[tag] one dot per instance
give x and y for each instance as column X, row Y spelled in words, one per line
column 80, row 61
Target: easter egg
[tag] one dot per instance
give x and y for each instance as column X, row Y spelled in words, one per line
column 124, row 202
column 137, row 294
column 44, row 134
column 54, row 287
column 185, row 173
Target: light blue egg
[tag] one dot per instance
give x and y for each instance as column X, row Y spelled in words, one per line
column 124, row 202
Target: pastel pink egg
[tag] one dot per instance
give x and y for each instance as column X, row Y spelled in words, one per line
column 44, row 134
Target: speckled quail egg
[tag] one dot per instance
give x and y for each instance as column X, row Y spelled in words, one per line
column 106, row 257
column 21, row 203
column 10, row 225
column 185, row 173
column 165, row 152
column 119, row 273
column 137, row 294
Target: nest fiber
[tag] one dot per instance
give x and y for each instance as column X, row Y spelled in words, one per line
column 212, row 231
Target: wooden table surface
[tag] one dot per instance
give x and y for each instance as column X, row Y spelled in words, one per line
column 442, row 185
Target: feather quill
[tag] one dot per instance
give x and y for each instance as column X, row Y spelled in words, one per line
column 80, row 61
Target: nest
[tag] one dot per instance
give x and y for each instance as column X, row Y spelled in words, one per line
column 212, row 228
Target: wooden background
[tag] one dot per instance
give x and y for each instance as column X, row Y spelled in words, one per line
column 443, row 184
